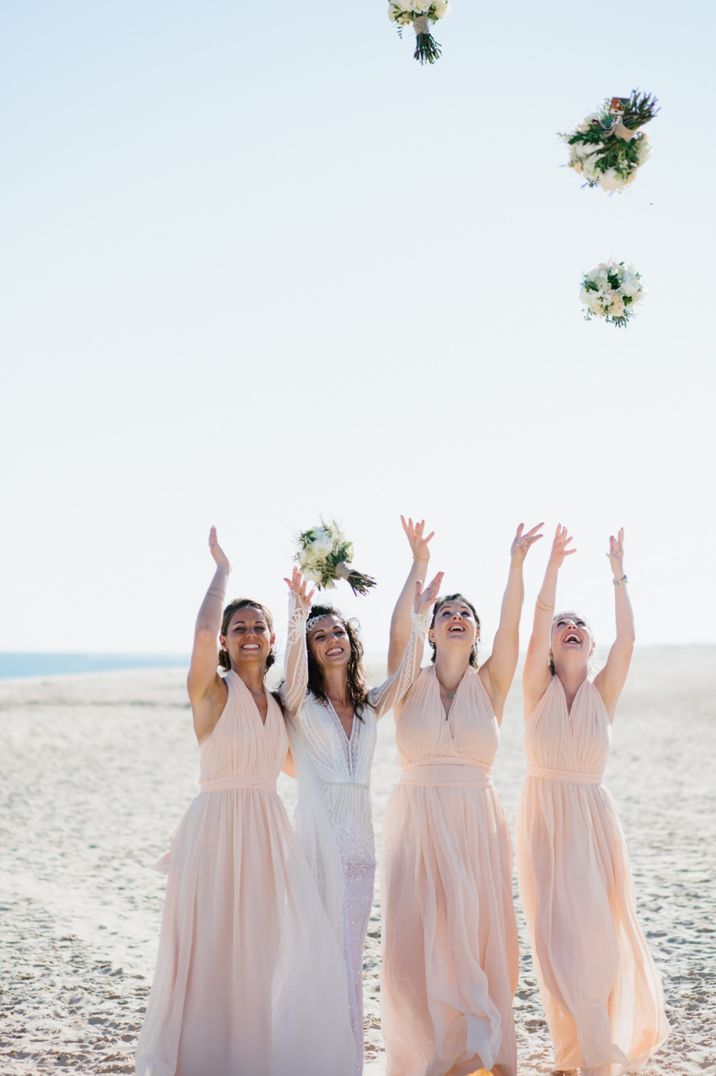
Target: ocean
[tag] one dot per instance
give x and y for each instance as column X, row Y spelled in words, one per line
column 21, row 664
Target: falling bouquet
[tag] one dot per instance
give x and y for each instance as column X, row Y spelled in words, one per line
column 419, row 14
column 607, row 148
column 324, row 555
column 610, row 292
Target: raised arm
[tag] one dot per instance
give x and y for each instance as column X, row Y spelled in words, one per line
column 207, row 692
column 497, row 672
column 536, row 675
column 390, row 693
column 610, row 681
column 295, row 684
column 400, row 623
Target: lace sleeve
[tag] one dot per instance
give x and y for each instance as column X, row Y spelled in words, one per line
column 293, row 690
column 384, row 698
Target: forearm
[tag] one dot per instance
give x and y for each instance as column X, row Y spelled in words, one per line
column 296, row 664
column 209, row 616
column 513, row 598
column 400, row 622
column 391, row 692
column 624, row 614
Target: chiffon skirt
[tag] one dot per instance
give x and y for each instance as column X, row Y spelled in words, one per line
column 600, row 990
column 450, row 955
column 249, row 977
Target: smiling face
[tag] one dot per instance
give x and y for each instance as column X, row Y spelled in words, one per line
column 455, row 626
column 571, row 640
column 328, row 642
column 248, row 638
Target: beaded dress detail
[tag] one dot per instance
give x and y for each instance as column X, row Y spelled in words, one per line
column 333, row 818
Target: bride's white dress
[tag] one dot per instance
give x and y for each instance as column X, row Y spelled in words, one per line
column 333, row 818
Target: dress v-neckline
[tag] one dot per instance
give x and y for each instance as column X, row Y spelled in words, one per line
column 570, row 707
column 448, row 713
column 348, row 739
column 262, row 721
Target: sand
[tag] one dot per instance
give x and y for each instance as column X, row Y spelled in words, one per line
column 95, row 772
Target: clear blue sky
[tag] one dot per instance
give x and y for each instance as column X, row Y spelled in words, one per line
column 258, row 265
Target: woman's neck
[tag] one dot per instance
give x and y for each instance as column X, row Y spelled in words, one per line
column 572, row 679
column 450, row 669
column 335, row 684
column 253, row 678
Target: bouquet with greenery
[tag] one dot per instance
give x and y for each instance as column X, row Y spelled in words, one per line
column 324, row 556
column 419, row 14
column 608, row 148
column 610, row 292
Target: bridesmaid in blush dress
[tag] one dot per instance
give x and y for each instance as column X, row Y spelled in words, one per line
column 450, row 958
column 249, row 979
column 601, row 992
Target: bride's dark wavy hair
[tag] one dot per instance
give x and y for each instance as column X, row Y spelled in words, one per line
column 436, row 609
column 233, row 607
column 357, row 688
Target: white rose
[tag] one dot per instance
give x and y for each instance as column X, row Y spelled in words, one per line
column 322, row 542
column 630, row 284
column 616, row 307
column 441, row 9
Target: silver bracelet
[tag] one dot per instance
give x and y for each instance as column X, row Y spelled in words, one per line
column 618, row 582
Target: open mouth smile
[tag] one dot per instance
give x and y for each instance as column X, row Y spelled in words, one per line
column 334, row 651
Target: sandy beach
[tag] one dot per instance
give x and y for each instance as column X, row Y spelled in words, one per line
column 96, row 771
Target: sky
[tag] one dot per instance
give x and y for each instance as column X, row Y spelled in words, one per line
column 258, row 266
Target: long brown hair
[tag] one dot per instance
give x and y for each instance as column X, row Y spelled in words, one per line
column 357, row 689
column 436, row 609
column 233, row 607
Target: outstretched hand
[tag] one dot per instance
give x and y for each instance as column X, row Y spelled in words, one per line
column 424, row 598
column 415, row 533
column 298, row 586
column 616, row 553
column 220, row 557
column 523, row 542
column 559, row 547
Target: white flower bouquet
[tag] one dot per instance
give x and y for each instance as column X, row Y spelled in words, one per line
column 324, row 556
column 419, row 14
column 608, row 148
column 610, row 292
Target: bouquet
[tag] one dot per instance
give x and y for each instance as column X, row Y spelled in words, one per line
column 419, row 14
column 610, row 292
column 324, row 555
column 607, row 148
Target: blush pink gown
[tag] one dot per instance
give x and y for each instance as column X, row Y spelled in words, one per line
column 450, row 957
column 249, row 977
column 601, row 992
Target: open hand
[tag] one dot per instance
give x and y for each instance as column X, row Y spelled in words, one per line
column 298, row 586
column 222, row 561
column 559, row 547
column 524, row 541
column 415, row 533
column 616, row 553
column 424, row 598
